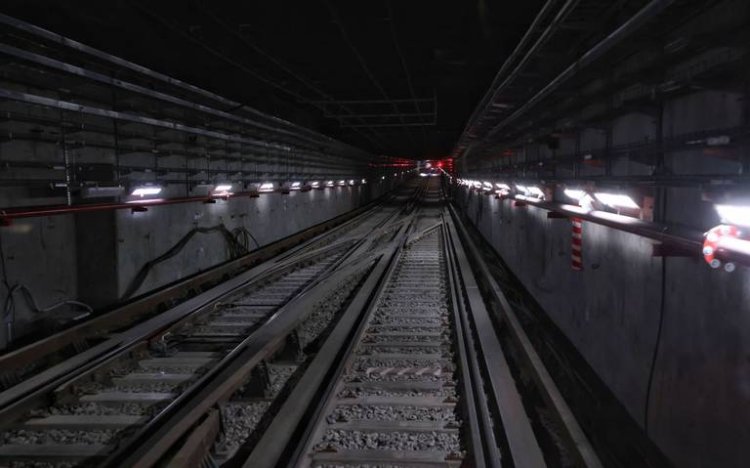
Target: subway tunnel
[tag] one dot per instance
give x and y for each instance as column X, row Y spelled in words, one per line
column 375, row 234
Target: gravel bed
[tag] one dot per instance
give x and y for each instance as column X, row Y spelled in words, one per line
column 410, row 330
column 394, row 377
column 364, row 362
column 324, row 311
column 91, row 408
column 432, row 312
column 278, row 375
column 155, row 387
column 357, row 392
column 379, row 338
column 391, row 413
column 209, row 329
column 56, row 436
column 39, row 464
column 400, row 303
column 407, row 321
column 239, row 420
column 360, row 465
column 441, row 350
column 397, row 440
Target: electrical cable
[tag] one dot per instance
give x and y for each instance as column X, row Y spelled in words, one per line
column 236, row 244
column 9, row 308
column 657, row 344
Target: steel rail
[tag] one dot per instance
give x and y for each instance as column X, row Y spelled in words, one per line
column 140, row 307
column 153, row 441
column 270, row 449
column 504, row 396
column 577, row 440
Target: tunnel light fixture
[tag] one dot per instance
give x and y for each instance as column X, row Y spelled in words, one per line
column 266, row 187
column 330, row 183
column 487, row 186
column 364, row 181
column 351, row 181
column 315, row 184
column 223, row 188
column 146, row 191
column 734, row 214
column 575, row 194
column 504, row 187
column 617, row 200
column 295, row 186
column 341, row 183
column 531, row 191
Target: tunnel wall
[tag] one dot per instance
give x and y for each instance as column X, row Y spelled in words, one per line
column 610, row 311
column 94, row 257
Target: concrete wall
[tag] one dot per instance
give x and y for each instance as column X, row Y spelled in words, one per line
column 94, row 257
column 700, row 398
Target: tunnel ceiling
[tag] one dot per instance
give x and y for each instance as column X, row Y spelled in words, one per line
column 334, row 66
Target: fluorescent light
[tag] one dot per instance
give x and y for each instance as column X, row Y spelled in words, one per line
column 148, row 200
column 342, row 183
column 329, row 183
column 487, row 185
column 734, row 214
column 422, row 174
column 364, row 181
column 145, row 191
column 617, row 200
column 351, row 181
column 575, row 194
column 502, row 186
column 537, row 192
column 223, row 188
column 523, row 189
column 315, row 184
column 295, row 186
column 266, row 187
column 735, row 245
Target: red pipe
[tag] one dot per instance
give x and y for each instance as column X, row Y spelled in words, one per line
column 9, row 214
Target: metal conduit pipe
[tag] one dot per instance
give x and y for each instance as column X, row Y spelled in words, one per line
column 79, row 47
column 134, row 88
column 74, row 107
column 495, row 87
column 644, row 15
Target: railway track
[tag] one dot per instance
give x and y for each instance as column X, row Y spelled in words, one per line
column 373, row 347
column 93, row 413
column 395, row 401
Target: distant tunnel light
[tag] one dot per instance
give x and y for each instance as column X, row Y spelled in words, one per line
column 295, row 186
column 487, row 185
column 315, row 184
column 145, row 191
column 351, row 181
column 266, row 187
column 734, row 214
column 364, row 181
column 223, row 188
column 329, row 183
column 504, row 187
column 341, row 183
column 616, row 200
